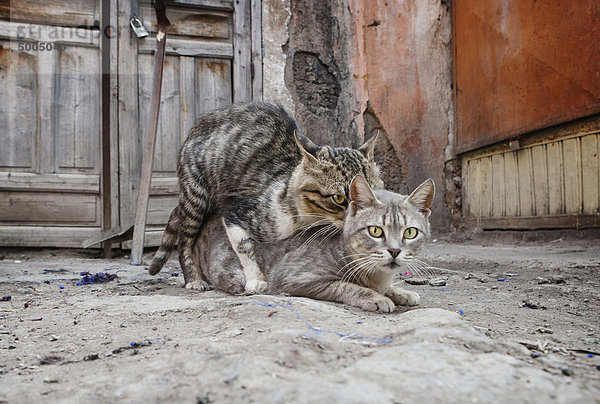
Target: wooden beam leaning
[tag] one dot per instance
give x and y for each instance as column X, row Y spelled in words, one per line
column 163, row 24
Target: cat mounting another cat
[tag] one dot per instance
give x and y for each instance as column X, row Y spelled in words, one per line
column 248, row 164
column 382, row 234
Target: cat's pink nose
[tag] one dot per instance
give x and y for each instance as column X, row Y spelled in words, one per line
column 394, row 252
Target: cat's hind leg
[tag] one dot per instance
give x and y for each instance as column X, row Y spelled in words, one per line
column 243, row 245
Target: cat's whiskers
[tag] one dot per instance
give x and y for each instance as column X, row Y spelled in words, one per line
column 355, row 271
column 315, row 236
column 333, row 230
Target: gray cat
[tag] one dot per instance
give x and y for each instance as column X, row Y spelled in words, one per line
column 248, row 164
column 382, row 234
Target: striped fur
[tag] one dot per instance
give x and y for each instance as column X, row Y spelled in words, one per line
column 249, row 164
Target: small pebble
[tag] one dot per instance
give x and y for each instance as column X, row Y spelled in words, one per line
column 567, row 371
column 536, row 355
column 53, row 338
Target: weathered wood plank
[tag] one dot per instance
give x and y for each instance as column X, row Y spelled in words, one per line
column 188, row 47
column 214, row 84
column 46, row 208
column 511, row 184
column 486, row 186
column 73, row 12
column 23, row 32
column 556, row 199
column 498, row 187
column 74, row 183
column 590, row 173
column 159, row 209
column 130, row 159
column 525, row 182
column 77, row 114
column 191, row 22
column 473, row 189
column 168, row 138
column 46, row 141
column 18, row 107
column 187, row 90
column 242, row 47
column 540, row 180
column 572, row 172
column 215, row 4
column 164, row 186
column 536, row 222
column 39, row 236
column 257, row 50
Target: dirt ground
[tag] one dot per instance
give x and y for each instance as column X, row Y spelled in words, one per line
column 511, row 318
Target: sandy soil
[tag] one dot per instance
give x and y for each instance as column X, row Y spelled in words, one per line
column 510, row 319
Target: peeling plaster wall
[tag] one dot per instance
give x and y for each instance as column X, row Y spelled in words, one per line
column 352, row 67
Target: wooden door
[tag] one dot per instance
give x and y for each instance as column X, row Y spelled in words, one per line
column 200, row 74
column 50, row 154
column 49, row 123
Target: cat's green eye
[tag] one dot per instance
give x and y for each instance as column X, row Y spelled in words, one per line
column 411, row 233
column 339, row 199
column 375, row 231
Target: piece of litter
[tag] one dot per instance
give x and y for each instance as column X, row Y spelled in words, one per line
column 61, row 287
column 501, row 279
column 590, row 355
column 461, row 312
column 416, row 281
column 89, row 279
column 509, row 274
column 5, row 298
column 437, row 282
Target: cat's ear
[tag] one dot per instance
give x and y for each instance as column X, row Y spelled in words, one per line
column 368, row 148
column 361, row 195
column 422, row 197
column 307, row 147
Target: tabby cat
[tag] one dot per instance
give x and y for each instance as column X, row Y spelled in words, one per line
column 382, row 234
column 249, row 164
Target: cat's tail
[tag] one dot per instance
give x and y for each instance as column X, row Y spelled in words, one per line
column 169, row 239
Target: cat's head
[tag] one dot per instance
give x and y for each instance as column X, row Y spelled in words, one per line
column 386, row 229
column 324, row 177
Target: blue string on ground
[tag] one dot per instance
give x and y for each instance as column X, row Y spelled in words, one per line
column 343, row 337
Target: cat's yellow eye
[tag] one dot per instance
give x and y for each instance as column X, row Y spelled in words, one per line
column 375, row 231
column 339, row 199
column 411, row 233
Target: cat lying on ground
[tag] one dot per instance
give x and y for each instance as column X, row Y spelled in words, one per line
column 382, row 233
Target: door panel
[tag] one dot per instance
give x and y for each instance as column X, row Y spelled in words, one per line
column 49, row 111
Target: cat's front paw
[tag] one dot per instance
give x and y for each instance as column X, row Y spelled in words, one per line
column 404, row 297
column 379, row 304
column 200, row 286
column 256, row 287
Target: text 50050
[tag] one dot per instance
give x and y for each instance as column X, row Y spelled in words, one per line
column 41, row 46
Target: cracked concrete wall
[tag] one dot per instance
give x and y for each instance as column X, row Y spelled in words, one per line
column 349, row 68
